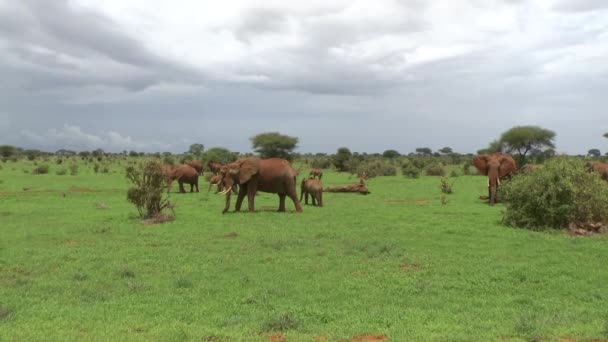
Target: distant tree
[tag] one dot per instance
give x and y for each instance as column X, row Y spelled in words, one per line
column 341, row 158
column 522, row 139
column 64, row 152
column 594, row 152
column 31, row 154
column 84, row 154
column 219, row 155
column 495, row 146
column 274, row 145
column 391, row 154
column 133, row 154
column 98, row 152
column 7, row 151
column 606, row 135
column 425, row 151
column 446, row 150
column 196, row 150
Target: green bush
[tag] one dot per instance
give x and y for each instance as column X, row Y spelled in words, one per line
column 560, row 194
column 73, row 169
column 321, row 163
column 375, row 168
column 41, row 169
column 61, row 172
column 96, row 167
column 435, row 169
column 409, row 170
column 148, row 192
column 466, row 169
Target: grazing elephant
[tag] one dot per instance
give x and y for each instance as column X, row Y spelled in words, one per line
column 214, row 180
column 184, row 174
column 197, row 165
column 599, row 167
column 316, row 173
column 214, row 167
column 495, row 166
column 252, row 174
column 530, row 168
column 314, row 187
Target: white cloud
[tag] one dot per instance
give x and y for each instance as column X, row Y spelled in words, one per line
column 73, row 137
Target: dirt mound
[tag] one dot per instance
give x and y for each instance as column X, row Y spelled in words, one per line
column 369, row 338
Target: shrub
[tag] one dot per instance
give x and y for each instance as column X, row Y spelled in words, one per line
column 446, row 186
column 321, row 163
column 454, row 174
column 61, row 172
column 41, row 169
column 375, row 169
column 73, row 169
column 408, row 169
column 59, row 161
column 466, row 169
column 148, row 192
column 105, row 169
column 558, row 195
column 96, row 167
column 435, row 169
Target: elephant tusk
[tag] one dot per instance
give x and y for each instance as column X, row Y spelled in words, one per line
column 225, row 191
column 488, row 182
column 498, row 181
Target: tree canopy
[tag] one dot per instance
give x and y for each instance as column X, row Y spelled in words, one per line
column 274, row 145
column 219, row 155
column 196, row 149
column 522, row 139
column 341, row 158
column 390, row 154
column 594, row 152
column 424, row 151
column 446, row 150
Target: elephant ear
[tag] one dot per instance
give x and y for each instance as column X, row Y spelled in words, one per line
column 481, row 163
column 248, row 168
column 507, row 166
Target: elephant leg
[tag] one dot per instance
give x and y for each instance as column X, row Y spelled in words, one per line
column 281, row 203
column 240, row 197
column 294, row 197
column 181, row 187
column 313, row 196
column 320, row 200
column 196, row 185
column 251, row 198
column 301, row 194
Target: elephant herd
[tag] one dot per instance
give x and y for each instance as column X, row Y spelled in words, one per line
column 250, row 175
column 246, row 176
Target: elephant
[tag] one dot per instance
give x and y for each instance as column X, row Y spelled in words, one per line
column 253, row 174
column 214, row 180
column 197, row 165
column 599, row 167
column 184, row 174
column 214, row 167
column 496, row 166
column 316, row 173
column 314, row 187
column 530, row 168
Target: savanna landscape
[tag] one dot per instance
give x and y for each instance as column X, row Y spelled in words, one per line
column 422, row 257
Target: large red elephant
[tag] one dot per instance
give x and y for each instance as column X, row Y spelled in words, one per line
column 599, row 167
column 272, row 175
column 197, row 165
column 183, row 174
column 495, row 166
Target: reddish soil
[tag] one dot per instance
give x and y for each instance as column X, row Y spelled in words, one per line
column 369, row 338
column 277, row 338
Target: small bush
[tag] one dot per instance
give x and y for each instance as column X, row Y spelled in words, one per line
column 375, row 169
column 321, row 163
column 59, row 161
column 446, row 186
column 558, row 195
column 409, row 170
column 281, row 323
column 148, row 192
column 435, row 169
column 105, row 169
column 454, row 174
column 96, row 168
column 41, row 169
column 466, row 169
column 61, row 172
column 73, row 169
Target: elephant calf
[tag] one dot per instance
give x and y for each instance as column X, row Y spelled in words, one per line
column 314, row 187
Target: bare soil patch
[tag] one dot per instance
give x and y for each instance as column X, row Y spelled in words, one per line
column 369, row 338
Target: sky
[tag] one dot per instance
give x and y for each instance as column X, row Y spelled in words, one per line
column 159, row 75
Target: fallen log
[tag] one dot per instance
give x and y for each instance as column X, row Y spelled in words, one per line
column 358, row 188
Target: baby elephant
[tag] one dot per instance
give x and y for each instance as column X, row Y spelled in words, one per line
column 314, row 188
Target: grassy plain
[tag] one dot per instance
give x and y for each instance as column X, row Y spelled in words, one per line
column 77, row 264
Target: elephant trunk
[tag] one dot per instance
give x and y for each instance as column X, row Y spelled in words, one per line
column 228, row 194
column 493, row 183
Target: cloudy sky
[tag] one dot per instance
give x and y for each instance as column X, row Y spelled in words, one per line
column 158, row 75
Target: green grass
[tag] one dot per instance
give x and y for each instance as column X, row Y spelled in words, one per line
column 77, row 264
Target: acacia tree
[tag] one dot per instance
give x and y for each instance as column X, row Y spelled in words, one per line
column 425, row 151
column 196, row 150
column 594, row 153
column 341, row 158
column 391, row 154
column 274, row 145
column 523, row 139
column 446, row 150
